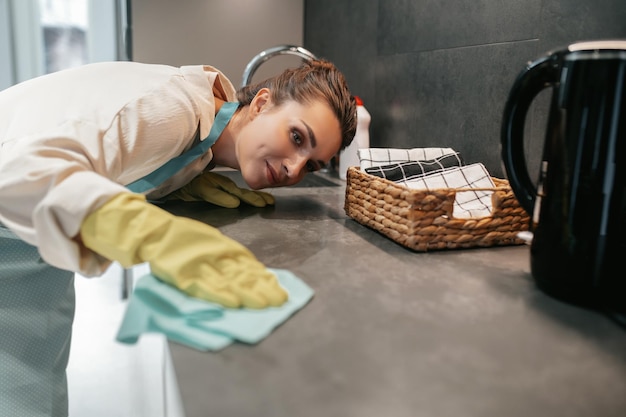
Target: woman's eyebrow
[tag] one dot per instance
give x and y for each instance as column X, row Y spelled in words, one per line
column 310, row 133
column 319, row 163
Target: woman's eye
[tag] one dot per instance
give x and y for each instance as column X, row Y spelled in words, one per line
column 295, row 135
column 312, row 166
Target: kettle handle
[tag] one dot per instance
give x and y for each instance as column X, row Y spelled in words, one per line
column 537, row 76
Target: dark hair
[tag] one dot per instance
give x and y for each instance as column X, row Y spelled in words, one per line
column 315, row 79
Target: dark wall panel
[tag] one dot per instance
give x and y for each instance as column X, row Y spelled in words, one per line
column 438, row 72
column 412, row 26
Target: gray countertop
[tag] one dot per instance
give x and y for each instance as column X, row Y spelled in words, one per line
column 391, row 332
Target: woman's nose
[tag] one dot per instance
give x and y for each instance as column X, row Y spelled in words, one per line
column 295, row 165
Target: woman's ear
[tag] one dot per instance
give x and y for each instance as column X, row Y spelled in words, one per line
column 262, row 100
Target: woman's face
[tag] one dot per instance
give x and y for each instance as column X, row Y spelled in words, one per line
column 281, row 144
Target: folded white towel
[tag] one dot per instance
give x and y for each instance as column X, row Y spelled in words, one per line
column 468, row 203
column 373, row 157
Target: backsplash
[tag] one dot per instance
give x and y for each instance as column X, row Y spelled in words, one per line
column 438, row 72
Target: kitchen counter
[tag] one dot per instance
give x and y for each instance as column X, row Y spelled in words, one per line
column 392, row 332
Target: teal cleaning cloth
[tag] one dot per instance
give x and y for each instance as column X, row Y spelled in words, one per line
column 158, row 307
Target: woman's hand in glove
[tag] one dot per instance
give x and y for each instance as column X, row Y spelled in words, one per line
column 188, row 254
column 220, row 190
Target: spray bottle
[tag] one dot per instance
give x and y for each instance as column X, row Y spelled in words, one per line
column 349, row 156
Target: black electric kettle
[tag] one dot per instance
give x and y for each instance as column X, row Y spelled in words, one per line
column 578, row 205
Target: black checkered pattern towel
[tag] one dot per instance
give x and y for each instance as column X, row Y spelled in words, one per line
column 373, row 157
column 406, row 171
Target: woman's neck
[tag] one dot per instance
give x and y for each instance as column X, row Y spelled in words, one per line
column 218, row 104
column 224, row 149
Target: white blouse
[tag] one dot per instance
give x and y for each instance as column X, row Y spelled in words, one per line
column 71, row 140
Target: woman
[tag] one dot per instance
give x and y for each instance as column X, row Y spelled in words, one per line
column 82, row 150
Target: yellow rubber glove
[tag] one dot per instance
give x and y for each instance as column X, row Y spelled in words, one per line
column 220, row 190
column 188, row 254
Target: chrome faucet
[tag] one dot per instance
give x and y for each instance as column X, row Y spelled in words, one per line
column 260, row 58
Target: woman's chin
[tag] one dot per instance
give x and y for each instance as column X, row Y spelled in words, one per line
column 253, row 183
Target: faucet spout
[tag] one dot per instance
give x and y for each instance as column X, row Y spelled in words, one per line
column 263, row 56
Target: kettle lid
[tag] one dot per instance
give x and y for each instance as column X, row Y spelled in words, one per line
column 612, row 44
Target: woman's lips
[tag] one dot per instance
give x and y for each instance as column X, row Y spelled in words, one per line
column 272, row 177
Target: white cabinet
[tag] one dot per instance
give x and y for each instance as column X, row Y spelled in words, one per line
column 107, row 378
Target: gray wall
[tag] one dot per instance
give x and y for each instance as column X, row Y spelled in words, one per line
column 224, row 33
column 438, row 72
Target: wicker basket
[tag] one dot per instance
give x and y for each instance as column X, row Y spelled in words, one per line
column 422, row 220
